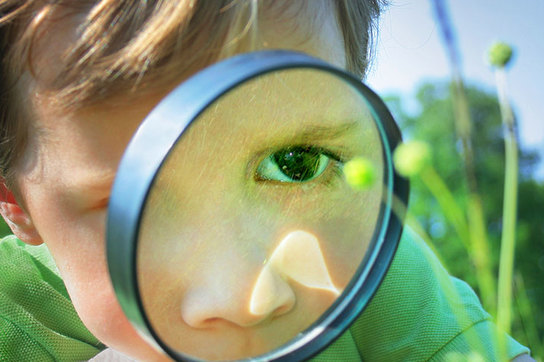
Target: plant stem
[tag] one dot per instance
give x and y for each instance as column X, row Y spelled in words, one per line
column 508, row 241
column 479, row 245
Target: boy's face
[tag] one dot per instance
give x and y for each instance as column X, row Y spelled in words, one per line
column 66, row 176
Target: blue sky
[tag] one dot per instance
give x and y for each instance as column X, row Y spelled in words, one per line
column 410, row 51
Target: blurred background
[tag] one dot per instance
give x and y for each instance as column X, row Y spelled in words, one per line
column 411, row 71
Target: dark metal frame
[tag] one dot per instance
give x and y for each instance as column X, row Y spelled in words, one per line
column 159, row 133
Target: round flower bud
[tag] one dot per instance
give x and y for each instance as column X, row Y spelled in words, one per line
column 411, row 158
column 500, row 54
column 360, row 173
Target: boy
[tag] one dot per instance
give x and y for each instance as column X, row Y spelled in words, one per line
column 77, row 80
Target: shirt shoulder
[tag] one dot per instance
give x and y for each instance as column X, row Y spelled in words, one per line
column 420, row 312
column 37, row 318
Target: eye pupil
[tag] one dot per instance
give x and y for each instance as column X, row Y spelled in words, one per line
column 298, row 163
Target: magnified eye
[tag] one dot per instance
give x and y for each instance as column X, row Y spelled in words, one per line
column 293, row 164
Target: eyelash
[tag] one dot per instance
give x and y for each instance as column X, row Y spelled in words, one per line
column 337, row 172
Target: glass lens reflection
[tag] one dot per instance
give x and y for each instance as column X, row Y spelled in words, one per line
column 250, row 231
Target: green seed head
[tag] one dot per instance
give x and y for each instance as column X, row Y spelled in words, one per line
column 500, row 54
column 359, row 173
column 411, row 158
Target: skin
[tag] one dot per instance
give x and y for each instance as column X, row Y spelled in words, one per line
column 65, row 178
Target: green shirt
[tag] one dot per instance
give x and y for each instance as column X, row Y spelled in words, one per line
column 418, row 313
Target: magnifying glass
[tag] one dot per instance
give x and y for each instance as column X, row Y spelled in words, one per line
column 232, row 230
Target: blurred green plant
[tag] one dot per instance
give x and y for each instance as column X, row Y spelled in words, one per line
column 412, row 158
column 465, row 210
column 439, row 195
column 360, row 173
column 500, row 54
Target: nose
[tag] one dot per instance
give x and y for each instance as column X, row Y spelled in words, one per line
column 229, row 295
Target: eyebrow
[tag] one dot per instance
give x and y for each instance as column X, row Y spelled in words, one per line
column 317, row 131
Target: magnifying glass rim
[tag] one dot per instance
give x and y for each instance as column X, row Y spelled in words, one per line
column 157, row 136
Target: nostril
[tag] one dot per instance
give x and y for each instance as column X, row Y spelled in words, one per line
column 210, row 321
column 204, row 308
column 198, row 309
column 204, row 317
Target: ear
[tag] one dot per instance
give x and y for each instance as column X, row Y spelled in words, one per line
column 17, row 219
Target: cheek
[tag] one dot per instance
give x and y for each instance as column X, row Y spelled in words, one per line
column 79, row 252
column 80, row 256
column 218, row 249
column 344, row 221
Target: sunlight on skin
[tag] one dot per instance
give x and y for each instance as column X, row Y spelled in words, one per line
column 297, row 257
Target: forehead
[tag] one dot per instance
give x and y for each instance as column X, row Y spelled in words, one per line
column 76, row 61
column 284, row 102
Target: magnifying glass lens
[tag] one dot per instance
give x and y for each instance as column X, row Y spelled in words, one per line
column 251, row 230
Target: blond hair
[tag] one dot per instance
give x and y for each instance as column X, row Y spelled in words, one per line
column 127, row 44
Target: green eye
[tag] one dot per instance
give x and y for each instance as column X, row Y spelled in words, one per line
column 293, row 164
